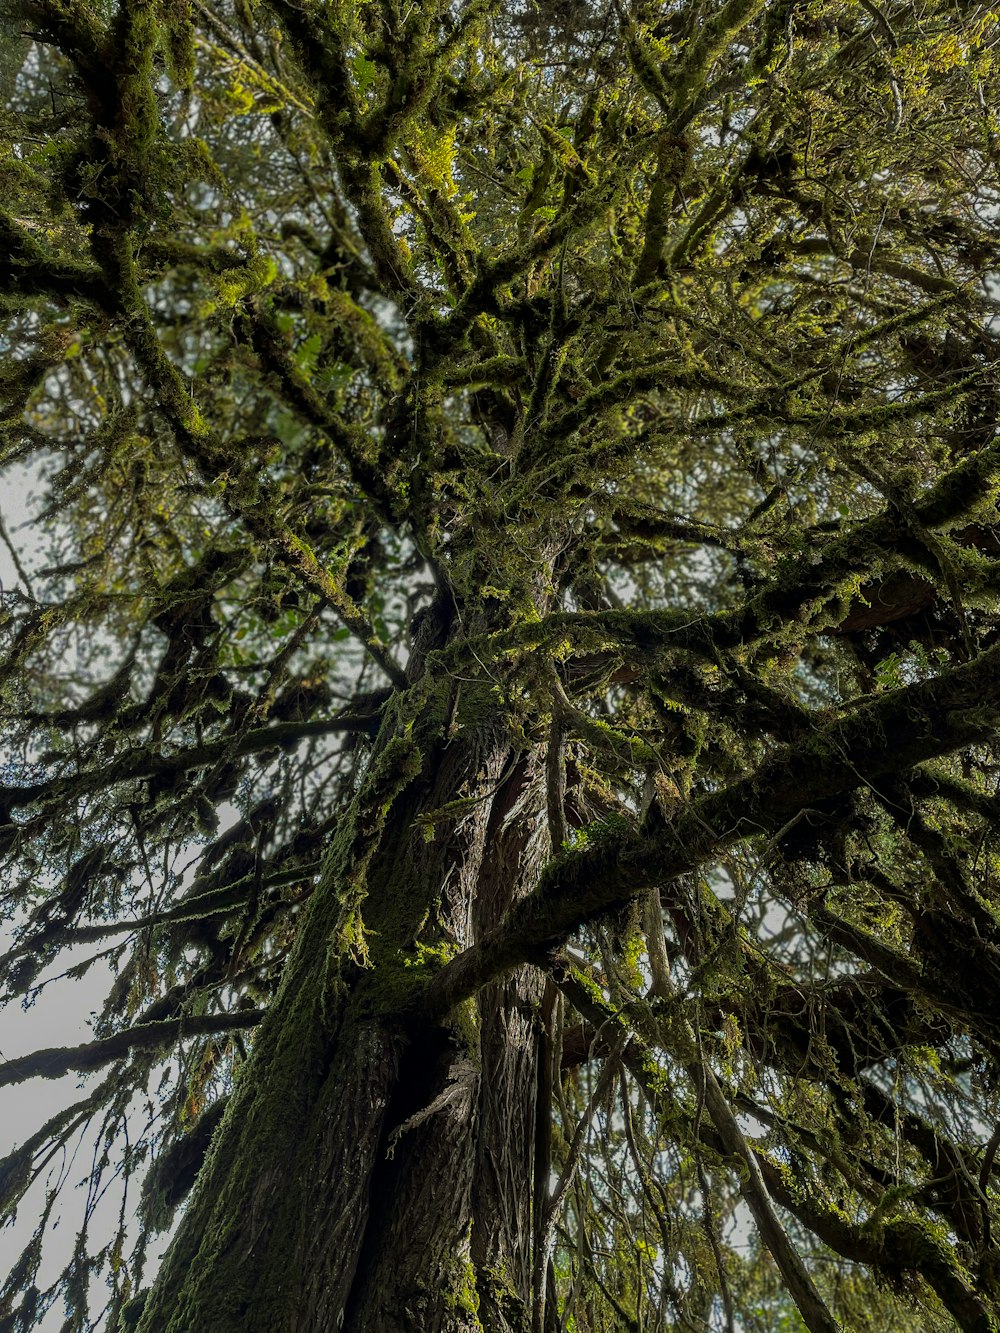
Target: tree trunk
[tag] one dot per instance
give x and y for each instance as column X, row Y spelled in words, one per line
column 369, row 1175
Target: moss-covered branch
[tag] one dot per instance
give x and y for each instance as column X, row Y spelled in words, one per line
column 888, row 735
column 55, row 1061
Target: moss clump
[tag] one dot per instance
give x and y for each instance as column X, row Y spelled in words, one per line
column 462, row 1294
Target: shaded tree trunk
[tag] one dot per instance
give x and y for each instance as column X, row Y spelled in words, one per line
column 371, row 1174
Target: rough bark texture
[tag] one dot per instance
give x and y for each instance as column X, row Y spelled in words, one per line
column 365, row 1177
column 512, row 1032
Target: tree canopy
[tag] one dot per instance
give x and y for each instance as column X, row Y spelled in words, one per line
column 515, row 514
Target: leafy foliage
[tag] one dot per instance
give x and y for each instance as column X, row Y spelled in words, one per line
column 624, row 376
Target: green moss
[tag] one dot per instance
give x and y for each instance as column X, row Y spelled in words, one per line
column 499, row 1290
column 592, row 988
column 465, row 1021
column 633, row 948
column 430, row 956
column 462, row 1294
column 604, row 832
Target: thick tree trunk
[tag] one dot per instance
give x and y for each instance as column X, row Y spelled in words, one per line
column 368, row 1176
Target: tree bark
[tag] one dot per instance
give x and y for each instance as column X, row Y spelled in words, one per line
column 369, row 1175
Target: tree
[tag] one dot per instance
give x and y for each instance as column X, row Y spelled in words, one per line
column 507, row 665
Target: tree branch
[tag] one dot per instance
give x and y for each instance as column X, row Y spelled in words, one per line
column 727, row 1140
column 141, row 763
column 54, row 1061
column 892, row 733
